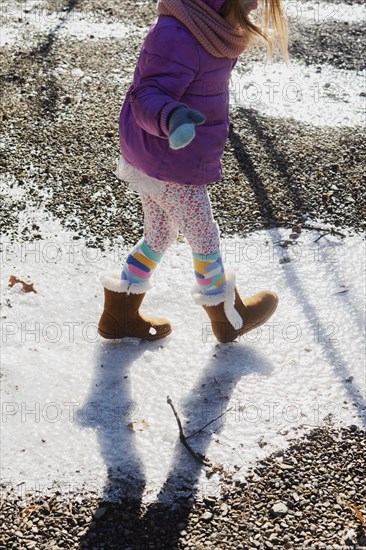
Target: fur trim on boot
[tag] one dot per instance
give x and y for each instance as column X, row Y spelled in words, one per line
column 112, row 281
column 227, row 297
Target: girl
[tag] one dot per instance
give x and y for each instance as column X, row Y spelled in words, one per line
column 173, row 127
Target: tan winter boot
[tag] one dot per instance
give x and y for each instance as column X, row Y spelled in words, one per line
column 230, row 315
column 121, row 316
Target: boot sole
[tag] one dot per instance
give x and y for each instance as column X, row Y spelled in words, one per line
column 149, row 338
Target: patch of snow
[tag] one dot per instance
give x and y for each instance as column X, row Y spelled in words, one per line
column 71, row 401
column 74, row 26
column 318, row 95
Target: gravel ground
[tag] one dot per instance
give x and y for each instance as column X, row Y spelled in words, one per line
column 338, row 43
column 60, row 112
column 310, row 495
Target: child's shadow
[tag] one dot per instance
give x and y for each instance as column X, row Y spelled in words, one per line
column 111, row 397
column 109, row 409
column 209, row 398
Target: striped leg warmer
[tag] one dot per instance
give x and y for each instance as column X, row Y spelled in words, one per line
column 140, row 264
column 209, row 272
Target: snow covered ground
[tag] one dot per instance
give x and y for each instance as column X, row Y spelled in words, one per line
column 74, row 26
column 321, row 96
column 78, row 410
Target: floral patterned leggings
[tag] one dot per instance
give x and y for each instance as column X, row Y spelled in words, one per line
column 180, row 207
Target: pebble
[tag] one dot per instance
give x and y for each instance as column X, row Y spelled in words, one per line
column 100, row 513
column 279, row 509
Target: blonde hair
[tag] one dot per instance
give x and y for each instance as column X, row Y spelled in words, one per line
column 272, row 27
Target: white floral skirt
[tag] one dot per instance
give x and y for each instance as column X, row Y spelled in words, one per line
column 138, row 182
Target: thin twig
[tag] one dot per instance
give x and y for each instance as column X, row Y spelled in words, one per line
column 325, row 231
column 321, row 236
column 335, row 232
column 208, row 423
column 176, row 416
column 183, row 438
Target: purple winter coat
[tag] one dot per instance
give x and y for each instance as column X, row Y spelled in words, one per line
column 173, row 69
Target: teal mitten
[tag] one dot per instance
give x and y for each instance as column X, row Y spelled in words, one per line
column 181, row 124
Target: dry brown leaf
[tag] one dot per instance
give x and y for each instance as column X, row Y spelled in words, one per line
column 138, row 425
column 356, row 511
column 29, row 508
column 27, row 287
